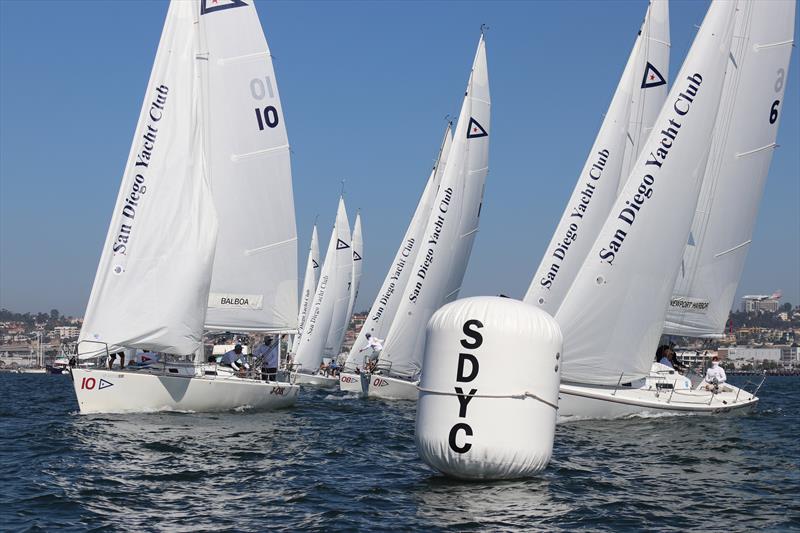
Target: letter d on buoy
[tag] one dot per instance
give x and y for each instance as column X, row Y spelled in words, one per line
column 501, row 425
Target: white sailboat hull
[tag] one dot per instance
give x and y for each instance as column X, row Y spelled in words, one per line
column 107, row 391
column 315, row 380
column 661, row 392
column 354, row 383
column 392, row 388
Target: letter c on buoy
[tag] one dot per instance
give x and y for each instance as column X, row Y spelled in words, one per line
column 467, row 431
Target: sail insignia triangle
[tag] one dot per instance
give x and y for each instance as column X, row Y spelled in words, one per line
column 341, row 245
column 652, row 77
column 475, row 130
column 210, row 6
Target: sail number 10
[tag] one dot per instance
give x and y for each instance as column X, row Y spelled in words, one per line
column 260, row 89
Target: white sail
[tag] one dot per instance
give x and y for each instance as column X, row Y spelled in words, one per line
column 591, row 199
column 254, row 286
column 382, row 313
column 310, row 348
column 340, row 289
column 355, row 276
column 309, row 285
column 613, row 315
column 651, row 75
column 152, row 281
column 447, row 240
column 741, row 152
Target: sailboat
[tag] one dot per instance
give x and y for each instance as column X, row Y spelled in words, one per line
column 309, row 286
column 180, row 254
column 441, row 261
column 331, row 297
column 357, row 271
column 639, row 96
column 613, row 315
column 384, row 307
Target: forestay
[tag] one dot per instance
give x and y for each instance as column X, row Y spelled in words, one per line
column 613, row 315
column 741, row 152
column 651, row 75
column 383, row 310
column 254, row 285
column 318, row 322
column 450, row 231
column 152, row 281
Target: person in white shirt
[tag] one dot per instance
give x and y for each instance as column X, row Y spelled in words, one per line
column 233, row 359
column 268, row 352
column 715, row 375
column 377, row 345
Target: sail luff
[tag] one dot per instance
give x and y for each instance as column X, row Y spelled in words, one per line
column 714, row 256
column 384, row 307
column 154, row 272
column 613, row 315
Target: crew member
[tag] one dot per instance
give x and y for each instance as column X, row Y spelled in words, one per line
column 715, row 375
column 233, row 359
column 268, row 352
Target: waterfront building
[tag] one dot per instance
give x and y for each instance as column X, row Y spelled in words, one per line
column 755, row 303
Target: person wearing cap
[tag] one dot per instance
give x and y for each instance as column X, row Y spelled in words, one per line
column 715, row 375
column 268, row 352
column 233, row 358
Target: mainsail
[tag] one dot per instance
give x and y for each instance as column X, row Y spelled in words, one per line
column 741, row 152
column 309, row 349
column 628, row 118
column 152, row 281
column 383, row 309
column 439, row 267
column 613, row 315
column 254, row 284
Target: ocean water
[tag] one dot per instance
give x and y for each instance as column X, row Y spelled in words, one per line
column 336, row 463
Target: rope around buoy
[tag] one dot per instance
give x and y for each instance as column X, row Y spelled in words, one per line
column 520, row 396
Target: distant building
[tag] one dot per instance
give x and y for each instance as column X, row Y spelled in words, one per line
column 752, row 353
column 754, row 303
column 352, row 332
column 66, row 332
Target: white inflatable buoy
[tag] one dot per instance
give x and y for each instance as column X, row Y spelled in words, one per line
column 489, row 391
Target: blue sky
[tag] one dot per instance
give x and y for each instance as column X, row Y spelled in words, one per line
column 365, row 88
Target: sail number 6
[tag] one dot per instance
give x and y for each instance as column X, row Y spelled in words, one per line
column 773, row 112
column 268, row 116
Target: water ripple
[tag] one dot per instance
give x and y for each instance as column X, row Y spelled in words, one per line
column 339, row 463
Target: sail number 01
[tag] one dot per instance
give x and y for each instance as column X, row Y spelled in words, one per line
column 260, row 89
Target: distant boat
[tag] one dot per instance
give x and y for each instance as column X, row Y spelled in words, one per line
column 441, row 261
column 203, row 229
column 384, row 307
column 327, row 308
